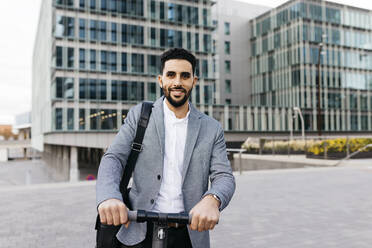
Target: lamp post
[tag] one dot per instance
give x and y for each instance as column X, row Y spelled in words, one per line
column 319, row 119
column 298, row 110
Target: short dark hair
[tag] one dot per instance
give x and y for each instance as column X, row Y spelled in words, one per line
column 177, row 53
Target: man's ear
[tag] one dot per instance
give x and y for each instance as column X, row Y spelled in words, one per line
column 195, row 81
column 160, row 81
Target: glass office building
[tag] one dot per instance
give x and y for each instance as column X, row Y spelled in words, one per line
column 106, row 53
column 303, row 42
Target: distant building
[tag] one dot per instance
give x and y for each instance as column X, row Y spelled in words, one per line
column 231, row 43
column 285, row 46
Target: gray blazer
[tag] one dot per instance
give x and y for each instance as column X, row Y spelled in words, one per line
column 205, row 157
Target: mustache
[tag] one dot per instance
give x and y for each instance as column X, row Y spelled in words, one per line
column 177, row 88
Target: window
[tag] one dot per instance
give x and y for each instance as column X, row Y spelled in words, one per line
column 59, row 56
column 93, row 29
column 81, row 28
column 208, row 99
column 92, row 59
column 316, row 12
column 113, row 5
column 196, row 42
column 92, row 4
column 68, row 88
column 70, row 119
column 103, row 4
column 102, row 31
column 153, row 37
column 364, row 119
column 81, row 119
column 333, row 15
column 227, row 28
column 113, row 61
column 188, row 37
column 227, row 47
column 58, row 118
column 227, row 66
column 94, row 117
column 102, row 89
column 113, row 32
column 103, row 61
column 207, row 42
column 171, row 12
column 64, row 26
column 132, row 34
column 353, row 100
column 137, row 63
column 124, row 113
column 70, row 57
column 205, row 17
column 162, row 13
column 205, row 68
column 114, row 90
column 65, row 2
column 151, row 91
column 153, row 64
column 228, row 86
column 354, row 122
column 153, row 10
column 83, row 88
column 82, row 3
column 108, row 119
column 124, row 62
column 92, row 89
column 82, row 58
column 59, row 87
column 228, row 102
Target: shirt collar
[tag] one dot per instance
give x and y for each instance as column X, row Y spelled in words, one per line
column 171, row 116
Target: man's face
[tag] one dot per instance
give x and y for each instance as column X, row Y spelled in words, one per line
column 177, row 81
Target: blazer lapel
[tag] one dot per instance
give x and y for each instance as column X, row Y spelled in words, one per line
column 193, row 127
column 158, row 115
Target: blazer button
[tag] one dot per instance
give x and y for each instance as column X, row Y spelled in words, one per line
column 152, row 201
column 159, row 177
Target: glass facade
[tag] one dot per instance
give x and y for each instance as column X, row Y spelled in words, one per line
column 106, row 54
column 303, row 44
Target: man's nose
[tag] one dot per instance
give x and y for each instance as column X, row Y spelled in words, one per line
column 177, row 81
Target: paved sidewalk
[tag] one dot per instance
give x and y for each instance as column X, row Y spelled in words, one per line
column 20, row 172
column 292, row 208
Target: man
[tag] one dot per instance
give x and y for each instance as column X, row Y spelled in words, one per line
column 182, row 148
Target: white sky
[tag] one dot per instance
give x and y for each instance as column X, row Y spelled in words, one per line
column 18, row 24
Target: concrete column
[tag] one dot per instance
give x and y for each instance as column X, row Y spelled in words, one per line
column 202, row 108
column 241, row 118
column 3, row 154
column 249, row 119
column 226, row 115
column 210, row 110
column 74, row 167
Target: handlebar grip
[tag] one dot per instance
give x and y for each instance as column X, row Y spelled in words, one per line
column 142, row 216
column 132, row 215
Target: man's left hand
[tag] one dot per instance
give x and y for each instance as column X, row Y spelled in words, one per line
column 205, row 214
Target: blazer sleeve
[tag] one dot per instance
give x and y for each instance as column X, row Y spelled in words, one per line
column 114, row 160
column 220, row 172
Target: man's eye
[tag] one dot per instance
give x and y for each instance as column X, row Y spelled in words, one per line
column 171, row 74
column 185, row 75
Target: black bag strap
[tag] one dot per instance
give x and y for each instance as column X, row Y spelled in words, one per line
column 136, row 145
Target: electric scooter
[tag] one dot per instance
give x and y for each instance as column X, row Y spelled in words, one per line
column 160, row 221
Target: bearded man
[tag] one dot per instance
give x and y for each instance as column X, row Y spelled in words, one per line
column 182, row 149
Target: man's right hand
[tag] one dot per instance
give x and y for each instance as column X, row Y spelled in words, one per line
column 113, row 211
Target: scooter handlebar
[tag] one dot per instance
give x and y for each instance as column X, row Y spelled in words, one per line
column 143, row 216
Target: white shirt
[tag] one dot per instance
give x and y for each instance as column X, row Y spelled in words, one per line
column 170, row 199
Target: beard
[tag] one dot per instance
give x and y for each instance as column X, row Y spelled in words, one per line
column 177, row 102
